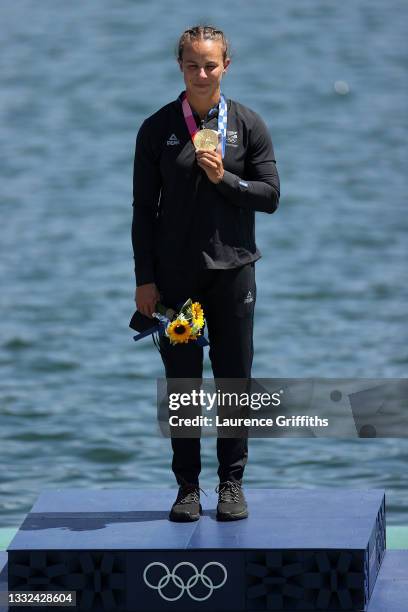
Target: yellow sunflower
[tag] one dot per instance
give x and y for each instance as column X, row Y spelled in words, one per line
column 198, row 315
column 178, row 331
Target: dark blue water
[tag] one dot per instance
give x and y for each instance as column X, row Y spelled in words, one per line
column 77, row 395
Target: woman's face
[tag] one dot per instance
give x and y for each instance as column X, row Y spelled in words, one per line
column 203, row 66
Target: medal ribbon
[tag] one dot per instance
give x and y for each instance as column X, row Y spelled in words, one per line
column 222, row 119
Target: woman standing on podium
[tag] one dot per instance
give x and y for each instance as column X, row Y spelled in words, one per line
column 193, row 236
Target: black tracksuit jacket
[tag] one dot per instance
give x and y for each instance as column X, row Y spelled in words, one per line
column 180, row 218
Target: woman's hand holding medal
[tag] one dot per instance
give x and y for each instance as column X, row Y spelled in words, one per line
column 208, row 154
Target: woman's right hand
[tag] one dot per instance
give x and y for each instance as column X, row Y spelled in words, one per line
column 146, row 298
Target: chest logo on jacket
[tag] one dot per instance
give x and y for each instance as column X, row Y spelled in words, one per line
column 173, row 140
column 232, row 138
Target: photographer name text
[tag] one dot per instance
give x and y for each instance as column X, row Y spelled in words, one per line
column 279, row 421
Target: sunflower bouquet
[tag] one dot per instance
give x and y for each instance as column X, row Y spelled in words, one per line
column 183, row 326
column 179, row 327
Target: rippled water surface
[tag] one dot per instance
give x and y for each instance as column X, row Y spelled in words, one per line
column 77, row 396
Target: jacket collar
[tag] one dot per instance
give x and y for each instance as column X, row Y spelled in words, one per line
column 213, row 112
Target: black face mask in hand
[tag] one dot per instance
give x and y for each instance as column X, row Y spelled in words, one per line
column 140, row 323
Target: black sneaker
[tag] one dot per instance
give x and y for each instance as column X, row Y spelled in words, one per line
column 187, row 506
column 231, row 505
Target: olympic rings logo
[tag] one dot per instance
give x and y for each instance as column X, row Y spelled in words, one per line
column 178, row 581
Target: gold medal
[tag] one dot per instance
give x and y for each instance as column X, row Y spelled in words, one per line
column 206, row 140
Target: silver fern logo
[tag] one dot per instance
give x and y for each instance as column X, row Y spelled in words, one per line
column 232, row 138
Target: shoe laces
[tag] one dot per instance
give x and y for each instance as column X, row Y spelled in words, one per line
column 189, row 494
column 228, row 491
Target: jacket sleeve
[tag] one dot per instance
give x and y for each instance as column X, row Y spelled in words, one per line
column 260, row 189
column 146, row 196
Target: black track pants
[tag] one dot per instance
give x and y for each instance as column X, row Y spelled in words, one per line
column 228, row 299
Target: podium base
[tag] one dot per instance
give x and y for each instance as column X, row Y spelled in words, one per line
column 317, row 549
